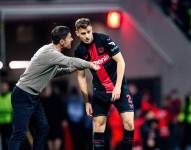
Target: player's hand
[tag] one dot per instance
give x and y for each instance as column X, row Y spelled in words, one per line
column 116, row 93
column 89, row 109
column 94, row 66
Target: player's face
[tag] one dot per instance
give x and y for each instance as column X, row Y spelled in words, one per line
column 67, row 42
column 85, row 35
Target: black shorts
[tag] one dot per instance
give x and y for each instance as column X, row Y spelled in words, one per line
column 102, row 101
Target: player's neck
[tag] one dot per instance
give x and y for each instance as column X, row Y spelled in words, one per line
column 57, row 47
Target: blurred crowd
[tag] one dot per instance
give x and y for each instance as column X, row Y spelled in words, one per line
column 162, row 126
column 180, row 12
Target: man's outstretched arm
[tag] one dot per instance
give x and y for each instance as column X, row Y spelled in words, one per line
column 57, row 58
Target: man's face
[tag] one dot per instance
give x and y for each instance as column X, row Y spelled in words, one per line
column 85, row 35
column 67, row 42
column 4, row 88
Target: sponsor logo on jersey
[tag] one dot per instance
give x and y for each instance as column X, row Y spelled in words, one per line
column 102, row 60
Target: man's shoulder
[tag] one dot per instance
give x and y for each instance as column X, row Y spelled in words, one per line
column 101, row 36
column 45, row 48
column 45, row 51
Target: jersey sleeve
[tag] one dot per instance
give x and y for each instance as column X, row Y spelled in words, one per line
column 110, row 46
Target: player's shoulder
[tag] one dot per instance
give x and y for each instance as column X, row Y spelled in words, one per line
column 101, row 36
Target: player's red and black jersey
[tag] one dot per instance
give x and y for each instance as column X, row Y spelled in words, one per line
column 101, row 50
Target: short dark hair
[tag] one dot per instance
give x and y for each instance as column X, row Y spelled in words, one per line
column 58, row 33
column 82, row 23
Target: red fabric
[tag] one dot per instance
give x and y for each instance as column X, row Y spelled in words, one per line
column 174, row 109
column 116, row 125
column 163, row 123
column 147, row 106
column 102, row 73
column 137, row 134
column 68, row 145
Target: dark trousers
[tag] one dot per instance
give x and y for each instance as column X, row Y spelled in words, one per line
column 25, row 106
column 5, row 132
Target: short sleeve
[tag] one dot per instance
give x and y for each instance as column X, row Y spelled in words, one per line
column 110, row 46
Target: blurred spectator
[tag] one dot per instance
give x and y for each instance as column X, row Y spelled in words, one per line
column 174, row 110
column 139, row 121
column 150, row 128
column 76, row 119
column 180, row 12
column 136, row 96
column 156, row 122
column 53, row 109
column 163, row 126
column 150, row 132
column 147, row 103
column 183, row 14
column 166, row 6
column 5, row 114
column 172, row 104
column 174, row 8
column 185, row 119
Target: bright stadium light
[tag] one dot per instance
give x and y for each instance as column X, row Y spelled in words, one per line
column 18, row 64
column 114, row 19
column 1, row 65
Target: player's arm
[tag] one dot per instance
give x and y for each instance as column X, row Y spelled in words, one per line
column 83, row 84
column 120, row 68
column 116, row 55
column 120, row 73
column 84, row 89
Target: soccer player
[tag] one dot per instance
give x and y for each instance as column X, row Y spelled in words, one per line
column 46, row 63
column 109, row 84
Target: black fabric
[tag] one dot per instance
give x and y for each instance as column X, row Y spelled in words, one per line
column 25, row 106
column 127, row 142
column 98, row 141
column 128, row 136
column 104, row 47
column 102, row 102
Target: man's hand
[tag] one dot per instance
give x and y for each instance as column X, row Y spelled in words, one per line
column 89, row 109
column 116, row 93
column 94, row 66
